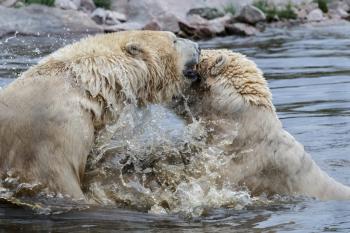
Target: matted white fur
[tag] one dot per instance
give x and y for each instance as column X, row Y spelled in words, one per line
column 267, row 159
column 49, row 117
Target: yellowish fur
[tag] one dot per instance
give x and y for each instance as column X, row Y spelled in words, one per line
column 50, row 115
column 265, row 157
column 236, row 78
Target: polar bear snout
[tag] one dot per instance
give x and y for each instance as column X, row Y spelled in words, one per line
column 191, row 53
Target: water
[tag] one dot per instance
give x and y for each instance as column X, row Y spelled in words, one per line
column 308, row 70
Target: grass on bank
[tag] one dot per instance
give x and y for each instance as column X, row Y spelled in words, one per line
column 272, row 12
column 106, row 4
column 230, row 8
column 323, row 5
column 41, row 2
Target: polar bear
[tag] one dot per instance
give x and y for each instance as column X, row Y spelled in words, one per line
column 50, row 115
column 234, row 101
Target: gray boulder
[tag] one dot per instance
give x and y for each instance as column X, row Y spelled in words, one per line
column 207, row 12
column 38, row 19
column 315, row 15
column 99, row 15
column 338, row 10
column 123, row 27
column 132, row 26
column 199, row 28
column 338, row 14
column 87, row 6
column 102, row 16
column 68, row 4
column 241, row 29
column 335, row 5
column 8, row 3
column 167, row 14
column 250, row 14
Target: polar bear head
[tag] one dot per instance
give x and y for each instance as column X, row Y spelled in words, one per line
column 133, row 66
column 233, row 82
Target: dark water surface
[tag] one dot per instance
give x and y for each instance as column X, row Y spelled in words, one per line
column 308, row 70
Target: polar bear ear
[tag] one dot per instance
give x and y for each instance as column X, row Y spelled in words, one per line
column 133, row 48
column 219, row 64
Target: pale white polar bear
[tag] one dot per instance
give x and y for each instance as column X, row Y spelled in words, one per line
column 50, row 115
column 233, row 99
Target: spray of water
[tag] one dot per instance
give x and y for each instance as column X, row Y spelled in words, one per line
column 152, row 160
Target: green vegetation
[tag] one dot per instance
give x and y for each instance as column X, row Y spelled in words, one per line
column 106, row 4
column 272, row 12
column 323, row 5
column 230, row 8
column 41, row 2
column 269, row 10
column 287, row 12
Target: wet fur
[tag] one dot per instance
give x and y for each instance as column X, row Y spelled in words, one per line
column 233, row 99
column 50, row 115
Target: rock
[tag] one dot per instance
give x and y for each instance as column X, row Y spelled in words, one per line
column 197, row 20
column 99, row 16
column 39, row 19
column 144, row 11
column 167, row 14
column 87, row 6
column 153, row 26
column 315, row 15
column 206, row 12
column 301, row 14
column 124, row 27
column 309, row 7
column 131, row 26
column 196, row 27
column 241, row 29
column 336, row 5
column 102, row 16
column 338, row 14
column 217, row 26
column 196, row 33
column 67, row 4
column 199, row 28
column 344, row 14
column 118, row 16
column 347, row 2
column 338, row 10
column 19, row 4
column 167, row 22
column 302, row 10
column 8, row 3
column 250, row 14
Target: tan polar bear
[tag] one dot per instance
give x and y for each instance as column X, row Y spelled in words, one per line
column 50, row 115
column 233, row 100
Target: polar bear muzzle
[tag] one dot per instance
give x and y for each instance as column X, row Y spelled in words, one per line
column 191, row 54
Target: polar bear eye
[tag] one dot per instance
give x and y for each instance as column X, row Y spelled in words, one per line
column 219, row 64
column 133, row 48
column 175, row 41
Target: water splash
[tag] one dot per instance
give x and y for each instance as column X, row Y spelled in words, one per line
column 152, row 160
column 35, row 196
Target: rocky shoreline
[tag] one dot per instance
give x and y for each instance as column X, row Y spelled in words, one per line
column 196, row 19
